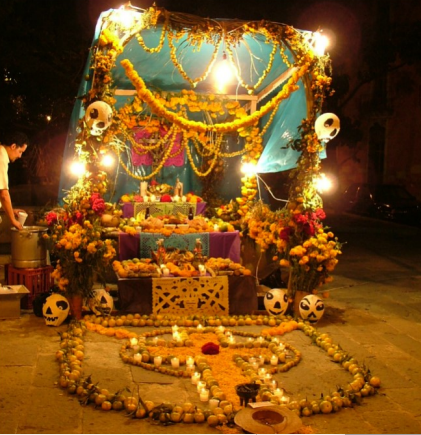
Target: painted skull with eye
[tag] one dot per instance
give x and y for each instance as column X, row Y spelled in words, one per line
column 55, row 310
column 327, row 126
column 276, row 301
column 312, row 308
column 98, row 117
column 102, row 302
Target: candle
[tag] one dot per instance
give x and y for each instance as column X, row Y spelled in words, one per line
column 183, row 199
column 195, row 378
column 274, row 360
column 157, row 361
column 220, row 329
column 216, row 227
column 255, row 365
column 152, row 198
column 199, row 326
column 202, row 270
column 137, row 357
column 261, row 360
column 175, row 363
column 273, row 384
column 279, row 392
column 261, row 372
column 190, row 360
column 133, row 341
column 268, row 378
column 176, row 336
column 165, row 271
column 213, row 403
column 281, row 346
column 204, row 395
column 284, row 400
column 190, row 369
column 174, row 328
column 200, row 386
column 176, row 198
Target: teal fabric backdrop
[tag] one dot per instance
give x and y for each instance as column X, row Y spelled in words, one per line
column 158, row 71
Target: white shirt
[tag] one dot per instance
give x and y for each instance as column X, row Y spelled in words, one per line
column 4, row 168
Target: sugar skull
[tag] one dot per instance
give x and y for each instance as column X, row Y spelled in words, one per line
column 312, row 308
column 327, row 126
column 101, row 303
column 55, row 310
column 276, row 301
column 98, row 117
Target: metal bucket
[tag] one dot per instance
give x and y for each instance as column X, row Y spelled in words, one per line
column 28, row 247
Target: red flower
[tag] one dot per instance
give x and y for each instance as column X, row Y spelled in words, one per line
column 51, row 218
column 210, row 349
column 285, row 233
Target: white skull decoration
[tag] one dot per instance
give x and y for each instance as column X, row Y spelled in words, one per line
column 102, row 302
column 312, row 308
column 276, row 301
column 98, row 117
column 55, row 310
column 327, row 126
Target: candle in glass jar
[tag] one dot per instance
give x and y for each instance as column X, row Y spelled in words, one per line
column 199, row 327
column 189, row 360
column 279, row 392
column 157, row 361
column 174, row 328
column 261, row 360
column 195, row 378
column 133, row 341
column 204, row 395
column 175, row 363
column 255, row 365
column 274, row 360
column 137, row 357
column 268, row 378
column 200, row 386
column 262, row 372
column 273, row 384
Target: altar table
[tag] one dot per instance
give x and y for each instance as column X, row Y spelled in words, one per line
column 135, row 295
column 225, row 245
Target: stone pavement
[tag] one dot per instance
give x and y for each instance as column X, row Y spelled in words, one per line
column 374, row 313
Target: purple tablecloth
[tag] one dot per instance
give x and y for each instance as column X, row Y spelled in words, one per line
column 225, row 245
column 128, row 209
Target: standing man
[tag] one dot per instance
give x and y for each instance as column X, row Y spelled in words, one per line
column 12, row 150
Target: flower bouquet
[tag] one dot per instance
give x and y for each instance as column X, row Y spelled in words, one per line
column 75, row 242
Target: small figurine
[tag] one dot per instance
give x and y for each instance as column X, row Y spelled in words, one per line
column 178, row 188
column 161, row 252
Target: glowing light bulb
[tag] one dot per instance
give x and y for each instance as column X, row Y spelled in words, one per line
column 108, row 161
column 223, row 74
column 248, row 169
column 77, row 168
column 323, row 183
column 320, row 43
